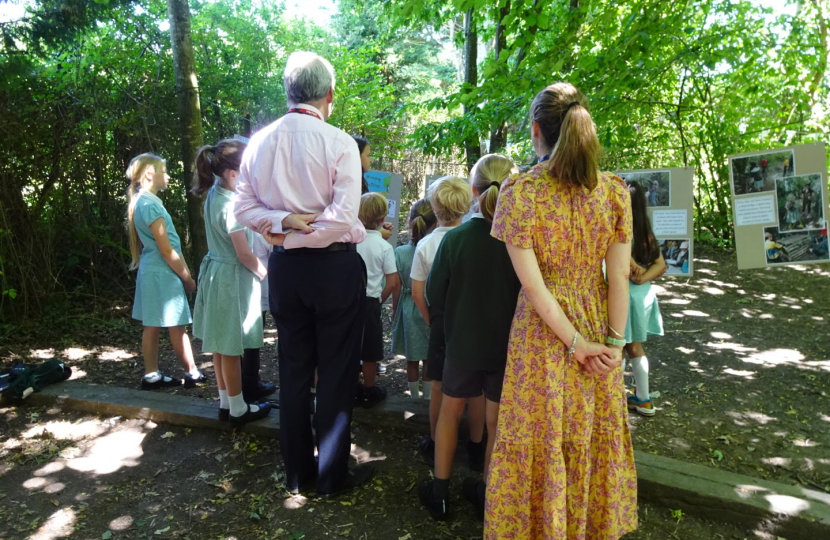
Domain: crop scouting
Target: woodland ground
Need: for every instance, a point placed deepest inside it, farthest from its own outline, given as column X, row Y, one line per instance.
column 743, row 375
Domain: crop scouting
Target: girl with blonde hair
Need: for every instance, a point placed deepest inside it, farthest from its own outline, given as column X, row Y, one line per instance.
column 163, row 279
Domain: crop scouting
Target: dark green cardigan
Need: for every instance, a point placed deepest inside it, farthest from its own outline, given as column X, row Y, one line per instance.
column 473, row 283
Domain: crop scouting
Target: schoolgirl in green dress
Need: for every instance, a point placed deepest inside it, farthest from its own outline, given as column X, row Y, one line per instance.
column 410, row 333
column 163, row 279
column 228, row 318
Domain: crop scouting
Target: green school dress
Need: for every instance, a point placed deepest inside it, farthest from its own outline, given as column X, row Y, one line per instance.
column 227, row 314
column 160, row 299
column 644, row 317
column 410, row 333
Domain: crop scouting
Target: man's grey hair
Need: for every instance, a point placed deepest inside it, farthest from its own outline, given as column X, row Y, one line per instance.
column 308, row 77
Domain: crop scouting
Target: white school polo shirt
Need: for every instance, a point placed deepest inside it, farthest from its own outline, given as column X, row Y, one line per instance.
column 379, row 258
column 425, row 253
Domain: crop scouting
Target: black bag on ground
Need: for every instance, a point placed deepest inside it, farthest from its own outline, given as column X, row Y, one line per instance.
column 23, row 379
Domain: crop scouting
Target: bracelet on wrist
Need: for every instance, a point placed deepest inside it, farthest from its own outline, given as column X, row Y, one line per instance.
column 614, row 341
column 617, row 334
column 572, row 349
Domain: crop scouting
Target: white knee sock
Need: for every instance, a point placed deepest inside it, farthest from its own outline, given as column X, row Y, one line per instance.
column 223, row 399
column 414, row 390
column 639, row 366
column 238, row 406
column 427, row 390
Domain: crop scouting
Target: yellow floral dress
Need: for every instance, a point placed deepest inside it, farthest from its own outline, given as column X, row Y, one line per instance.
column 563, row 464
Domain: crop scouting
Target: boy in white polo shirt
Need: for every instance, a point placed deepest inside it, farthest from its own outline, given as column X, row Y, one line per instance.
column 379, row 258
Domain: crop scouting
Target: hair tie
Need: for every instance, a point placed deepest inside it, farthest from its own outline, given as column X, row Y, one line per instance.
column 572, row 104
column 494, row 184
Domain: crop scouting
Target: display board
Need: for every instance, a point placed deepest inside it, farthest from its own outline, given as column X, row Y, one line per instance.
column 389, row 185
column 779, row 206
column 671, row 202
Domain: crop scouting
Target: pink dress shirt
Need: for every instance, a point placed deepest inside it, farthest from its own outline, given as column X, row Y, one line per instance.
column 302, row 165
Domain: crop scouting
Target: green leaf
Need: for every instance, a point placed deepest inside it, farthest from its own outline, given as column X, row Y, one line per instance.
column 718, row 455
column 106, row 536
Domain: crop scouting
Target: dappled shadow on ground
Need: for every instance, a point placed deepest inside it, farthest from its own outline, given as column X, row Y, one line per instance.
column 743, row 372
column 72, row 476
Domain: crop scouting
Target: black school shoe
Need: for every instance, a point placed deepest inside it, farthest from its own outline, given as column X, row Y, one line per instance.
column 372, row 395
column 475, row 491
column 250, row 416
column 475, row 453
column 190, row 381
column 356, row 477
column 163, row 382
column 438, row 508
column 381, row 369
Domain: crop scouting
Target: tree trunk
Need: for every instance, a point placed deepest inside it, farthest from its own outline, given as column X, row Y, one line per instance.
column 498, row 135
column 472, row 144
column 190, row 118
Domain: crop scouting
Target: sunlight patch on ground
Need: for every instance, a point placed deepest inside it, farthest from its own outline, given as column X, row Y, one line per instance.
column 737, row 347
column 706, row 271
column 720, row 335
column 777, row 461
column 115, row 355
column 684, row 350
column 75, row 353
column 694, row 313
column 804, row 443
column 269, row 340
column 824, row 417
column 42, row 354
column 738, row 373
column 64, row 430
column 111, row 452
column 677, row 301
column 758, row 417
column 775, row 357
column 77, row 373
column 784, row 504
column 59, row 525
column 364, row 456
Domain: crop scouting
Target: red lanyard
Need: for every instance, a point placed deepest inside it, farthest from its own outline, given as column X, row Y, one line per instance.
column 307, row 112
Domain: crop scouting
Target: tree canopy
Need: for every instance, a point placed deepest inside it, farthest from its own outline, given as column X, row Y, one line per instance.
column 87, row 85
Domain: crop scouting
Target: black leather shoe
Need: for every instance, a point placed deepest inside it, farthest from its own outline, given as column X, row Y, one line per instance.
column 190, row 381
column 372, row 395
column 438, row 508
column 250, row 416
column 224, row 414
column 163, row 382
column 356, row 477
column 258, row 391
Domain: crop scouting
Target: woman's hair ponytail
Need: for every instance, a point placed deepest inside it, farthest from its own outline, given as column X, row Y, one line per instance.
column 421, row 220
column 569, row 131
column 487, row 176
column 135, row 173
column 213, row 161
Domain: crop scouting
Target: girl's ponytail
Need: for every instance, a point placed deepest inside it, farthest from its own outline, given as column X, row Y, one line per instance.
column 487, row 176
column 135, row 173
column 202, row 173
column 213, row 161
column 568, row 129
column 421, row 220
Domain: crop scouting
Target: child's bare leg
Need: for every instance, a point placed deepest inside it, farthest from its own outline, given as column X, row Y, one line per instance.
column 181, row 346
column 434, row 407
column 446, row 435
column 427, row 382
column 217, row 368
column 150, row 348
column 232, row 374
column 492, row 413
column 475, row 415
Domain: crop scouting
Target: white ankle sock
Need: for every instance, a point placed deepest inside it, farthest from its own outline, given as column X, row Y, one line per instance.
column 152, row 377
column 238, row 406
column 427, row 390
column 414, row 390
column 195, row 373
column 223, row 399
column 639, row 366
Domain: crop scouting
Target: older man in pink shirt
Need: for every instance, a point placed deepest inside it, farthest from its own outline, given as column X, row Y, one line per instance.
column 299, row 185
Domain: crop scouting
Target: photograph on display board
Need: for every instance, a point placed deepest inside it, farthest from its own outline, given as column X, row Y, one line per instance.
column 758, row 173
column 805, row 246
column 676, row 253
column 656, row 183
column 800, row 205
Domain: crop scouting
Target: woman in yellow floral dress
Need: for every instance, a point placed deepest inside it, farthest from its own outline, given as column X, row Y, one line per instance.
column 563, row 464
